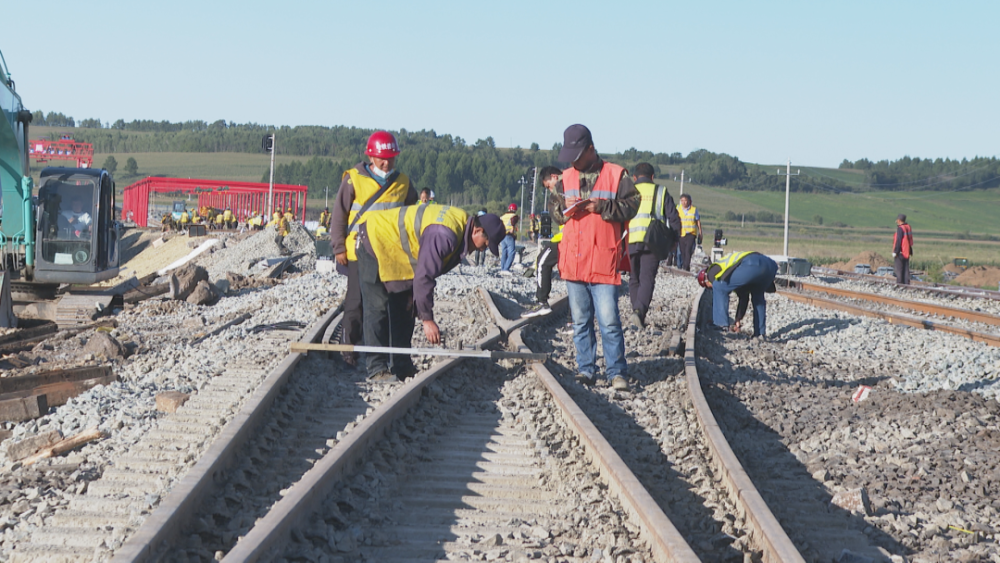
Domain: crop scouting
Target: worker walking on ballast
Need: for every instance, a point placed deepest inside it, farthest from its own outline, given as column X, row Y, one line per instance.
column 401, row 252
column 750, row 275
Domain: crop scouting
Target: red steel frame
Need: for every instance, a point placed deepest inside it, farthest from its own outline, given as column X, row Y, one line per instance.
column 43, row 150
column 241, row 197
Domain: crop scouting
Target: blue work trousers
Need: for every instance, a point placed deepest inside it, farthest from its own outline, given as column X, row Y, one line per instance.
column 585, row 301
column 754, row 274
column 507, row 251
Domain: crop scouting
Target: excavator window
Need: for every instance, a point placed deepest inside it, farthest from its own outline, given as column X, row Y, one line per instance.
column 66, row 221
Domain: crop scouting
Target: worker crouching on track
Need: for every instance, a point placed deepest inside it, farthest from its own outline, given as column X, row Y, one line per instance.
column 750, row 275
column 401, row 252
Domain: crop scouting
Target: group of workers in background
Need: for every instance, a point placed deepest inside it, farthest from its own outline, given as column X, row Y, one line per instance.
column 226, row 219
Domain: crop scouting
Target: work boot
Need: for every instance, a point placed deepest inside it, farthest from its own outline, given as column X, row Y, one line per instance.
column 619, row 383
column 384, row 376
column 350, row 358
column 636, row 320
column 585, row 378
column 536, row 310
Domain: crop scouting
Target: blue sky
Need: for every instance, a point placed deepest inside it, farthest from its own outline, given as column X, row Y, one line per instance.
column 816, row 82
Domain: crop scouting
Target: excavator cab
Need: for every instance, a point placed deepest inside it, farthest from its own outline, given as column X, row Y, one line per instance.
column 77, row 235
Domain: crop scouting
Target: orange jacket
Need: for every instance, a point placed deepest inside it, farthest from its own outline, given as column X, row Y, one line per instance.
column 591, row 247
column 904, row 247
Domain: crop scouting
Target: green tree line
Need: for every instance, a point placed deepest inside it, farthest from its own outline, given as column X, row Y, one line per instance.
column 907, row 174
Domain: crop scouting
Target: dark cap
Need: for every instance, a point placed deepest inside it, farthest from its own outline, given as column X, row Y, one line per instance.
column 495, row 231
column 576, row 139
column 901, row 217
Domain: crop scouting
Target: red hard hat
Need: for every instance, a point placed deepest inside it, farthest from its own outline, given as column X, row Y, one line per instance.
column 512, row 207
column 703, row 278
column 382, row 145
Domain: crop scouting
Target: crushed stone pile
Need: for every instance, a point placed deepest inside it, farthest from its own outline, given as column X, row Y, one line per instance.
column 243, row 257
column 152, row 259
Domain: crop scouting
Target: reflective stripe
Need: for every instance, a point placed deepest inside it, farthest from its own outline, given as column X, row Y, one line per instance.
column 727, row 263
column 404, row 238
column 377, row 206
column 688, row 223
column 602, row 194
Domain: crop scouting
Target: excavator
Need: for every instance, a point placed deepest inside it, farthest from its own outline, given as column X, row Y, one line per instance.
column 67, row 234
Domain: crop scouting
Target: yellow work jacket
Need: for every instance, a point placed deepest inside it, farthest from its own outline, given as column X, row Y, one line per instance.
column 184, row 218
column 396, row 250
column 364, row 188
column 558, row 236
column 727, row 263
column 688, row 224
column 324, row 217
column 650, row 208
column 508, row 222
column 227, row 216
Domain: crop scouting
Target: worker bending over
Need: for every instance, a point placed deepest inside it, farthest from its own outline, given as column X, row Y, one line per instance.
column 401, row 252
column 750, row 275
column 368, row 187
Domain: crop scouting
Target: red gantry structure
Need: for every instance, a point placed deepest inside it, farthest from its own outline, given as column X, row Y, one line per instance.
column 43, row 150
column 243, row 198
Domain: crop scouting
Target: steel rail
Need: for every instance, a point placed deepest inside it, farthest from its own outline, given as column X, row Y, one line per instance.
column 894, row 318
column 929, row 287
column 186, row 496
column 929, row 308
column 666, row 543
column 305, row 496
column 766, row 530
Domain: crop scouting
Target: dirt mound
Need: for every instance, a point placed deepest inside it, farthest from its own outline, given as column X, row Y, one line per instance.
column 980, row 276
column 873, row 259
column 953, row 269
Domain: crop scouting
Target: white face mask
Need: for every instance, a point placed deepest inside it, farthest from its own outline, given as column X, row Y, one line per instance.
column 378, row 172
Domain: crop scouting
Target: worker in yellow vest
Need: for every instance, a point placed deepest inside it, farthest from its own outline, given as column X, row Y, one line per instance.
column 275, row 218
column 185, row 218
column 324, row 219
column 284, row 225
column 652, row 234
column 508, row 249
column 690, row 231
column 401, row 252
column 228, row 218
column 750, row 275
column 289, row 215
column 368, row 187
column 219, row 223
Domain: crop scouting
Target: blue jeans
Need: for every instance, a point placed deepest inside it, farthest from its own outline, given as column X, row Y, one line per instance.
column 753, row 275
column 507, row 252
column 586, row 299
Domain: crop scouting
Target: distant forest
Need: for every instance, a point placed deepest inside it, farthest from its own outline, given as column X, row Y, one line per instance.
column 479, row 172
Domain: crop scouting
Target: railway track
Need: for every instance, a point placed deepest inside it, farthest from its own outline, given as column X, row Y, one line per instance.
column 477, row 464
column 915, row 286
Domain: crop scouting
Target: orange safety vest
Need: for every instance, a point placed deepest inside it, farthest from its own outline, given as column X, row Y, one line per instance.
column 907, row 246
column 592, row 247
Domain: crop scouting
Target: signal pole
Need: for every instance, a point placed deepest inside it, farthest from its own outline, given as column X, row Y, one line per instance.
column 682, row 182
column 520, row 222
column 788, row 184
column 269, row 146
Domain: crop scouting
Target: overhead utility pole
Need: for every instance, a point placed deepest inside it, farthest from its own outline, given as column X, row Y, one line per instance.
column 788, row 185
column 520, row 221
column 682, row 182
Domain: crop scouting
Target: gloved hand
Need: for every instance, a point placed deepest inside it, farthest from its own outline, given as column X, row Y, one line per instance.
column 699, row 239
column 893, row 254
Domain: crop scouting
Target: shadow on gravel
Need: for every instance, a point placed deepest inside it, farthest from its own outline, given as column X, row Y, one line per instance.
column 819, row 529
column 810, row 327
column 683, row 505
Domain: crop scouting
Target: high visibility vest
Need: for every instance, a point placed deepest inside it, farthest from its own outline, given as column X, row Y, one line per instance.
column 395, row 235
column 508, row 222
column 364, row 188
column 288, row 216
column 184, row 217
column 219, row 219
column 689, row 226
column 727, row 263
column 558, row 236
column 591, row 247
column 227, row 215
column 651, row 208
column 907, row 246
column 323, row 218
